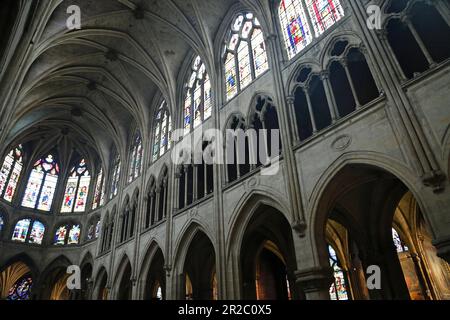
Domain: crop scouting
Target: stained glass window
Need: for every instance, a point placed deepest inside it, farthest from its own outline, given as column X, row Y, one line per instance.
column 10, row 173
column 67, row 234
column 399, row 245
column 21, row 230
column 97, row 229
column 94, row 230
column 197, row 102
column 162, row 132
column 245, row 55
column 27, row 230
column 338, row 290
column 60, row 235
column 115, row 177
column 324, row 13
column 295, row 27
column 74, row 235
column 77, row 189
column 136, row 158
column 42, row 184
column 21, row 290
column 37, row 233
column 99, row 194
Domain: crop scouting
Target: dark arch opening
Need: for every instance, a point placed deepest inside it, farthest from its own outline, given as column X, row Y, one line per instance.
column 341, row 89
column 199, row 268
column 267, row 257
column 156, row 278
column 433, row 30
column 373, row 198
column 365, row 86
column 125, row 286
column 302, row 115
column 408, row 53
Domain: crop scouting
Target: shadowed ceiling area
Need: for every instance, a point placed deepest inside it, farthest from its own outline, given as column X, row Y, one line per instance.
column 98, row 83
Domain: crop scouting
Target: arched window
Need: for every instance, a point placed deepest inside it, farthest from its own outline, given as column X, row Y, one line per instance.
column 77, row 189
column 107, row 232
column 338, row 290
column 42, row 184
column 136, row 158
column 197, row 102
column 324, row 13
column 115, row 176
column 10, row 173
column 399, row 245
column 415, row 34
column 128, row 218
column 245, row 56
column 94, row 229
column 99, row 194
column 29, row 231
column 295, row 27
column 162, row 133
column 151, row 204
column 67, row 234
column 21, row 290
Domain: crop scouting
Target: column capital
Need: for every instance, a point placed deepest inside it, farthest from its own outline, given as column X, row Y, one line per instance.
column 290, row 99
column 314, row 279
column 271, row 37
column 382, row 34
column 325, row 75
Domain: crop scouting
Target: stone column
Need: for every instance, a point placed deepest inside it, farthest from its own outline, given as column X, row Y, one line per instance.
column 419, row 41
column 315, row 282
column 325, row 76
column 310, row 109
column 344, row 63
column 290, row 100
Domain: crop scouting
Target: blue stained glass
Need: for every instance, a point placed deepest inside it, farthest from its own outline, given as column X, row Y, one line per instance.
column 231, row 80
column 21, row 289
column 296, row 32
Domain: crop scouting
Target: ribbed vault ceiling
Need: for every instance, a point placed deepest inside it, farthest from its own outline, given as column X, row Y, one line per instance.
column 102, row 81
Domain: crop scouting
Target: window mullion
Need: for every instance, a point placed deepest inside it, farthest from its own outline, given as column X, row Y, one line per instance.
column 40, row 190
column 250, row 55
column 8, row 178
column 236, row 68
column 75, row 195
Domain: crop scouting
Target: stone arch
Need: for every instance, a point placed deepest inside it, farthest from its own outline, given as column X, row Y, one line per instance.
column 100, row 290
column 86, row 266
column 187, row 233
column 152, row 272
column 351, row 37
column 189, row 268
column 353, row 181
column 52, row 282
column 14, row 270
column 250, row 220
column 292, row 83
column 123, row 282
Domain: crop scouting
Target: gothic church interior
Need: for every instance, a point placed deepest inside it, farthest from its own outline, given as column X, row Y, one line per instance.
column 357, row 91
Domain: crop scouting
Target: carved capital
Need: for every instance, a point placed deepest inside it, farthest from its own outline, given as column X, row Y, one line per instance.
column 434, row 180
column 324, row 75
column 290, row 99
column 300, row 227
column 314, row 279
column 168, row 270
